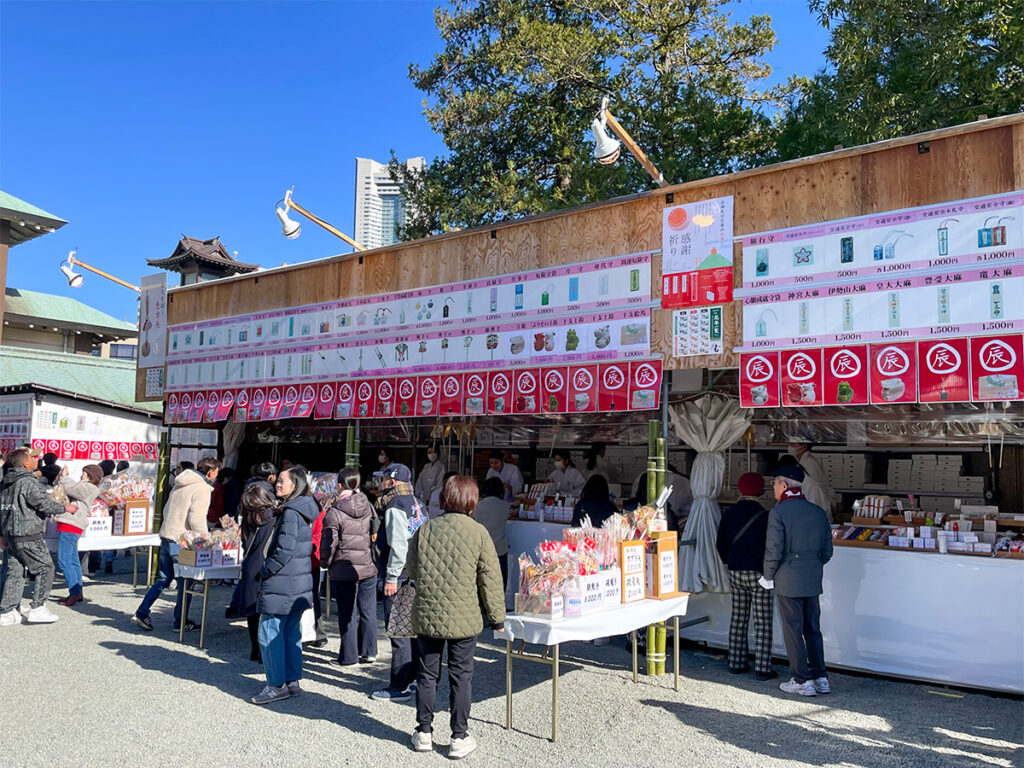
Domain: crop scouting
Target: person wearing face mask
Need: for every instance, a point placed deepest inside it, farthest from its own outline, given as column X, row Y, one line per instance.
column 384, row 457
column 565, row 478
column 431, row 475
column 509, row 474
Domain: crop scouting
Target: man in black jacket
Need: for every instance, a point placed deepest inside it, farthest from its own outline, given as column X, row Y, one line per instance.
column 24, row 507
column 740, row 543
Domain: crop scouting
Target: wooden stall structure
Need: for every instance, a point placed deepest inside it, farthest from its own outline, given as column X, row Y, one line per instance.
column 981, row 158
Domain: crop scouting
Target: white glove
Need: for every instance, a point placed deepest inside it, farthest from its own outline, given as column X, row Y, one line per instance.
column 765, row 582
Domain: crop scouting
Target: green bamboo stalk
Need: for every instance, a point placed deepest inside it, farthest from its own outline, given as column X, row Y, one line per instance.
column 661, row 635
column 651, row 651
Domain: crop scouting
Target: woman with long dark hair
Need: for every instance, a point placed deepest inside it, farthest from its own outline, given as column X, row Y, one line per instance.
column 595, row 501
column 286, row 586
column 257, row 507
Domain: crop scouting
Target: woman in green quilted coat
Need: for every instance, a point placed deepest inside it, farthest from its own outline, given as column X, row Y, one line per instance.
column 458, row 586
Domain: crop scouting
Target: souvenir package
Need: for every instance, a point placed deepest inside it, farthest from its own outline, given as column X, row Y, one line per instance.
column 125, row 486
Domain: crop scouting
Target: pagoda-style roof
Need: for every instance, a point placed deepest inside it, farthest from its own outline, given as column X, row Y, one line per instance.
column 210, row 253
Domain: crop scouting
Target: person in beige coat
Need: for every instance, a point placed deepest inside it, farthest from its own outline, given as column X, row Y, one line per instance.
column 185, row 510
column 82, row 493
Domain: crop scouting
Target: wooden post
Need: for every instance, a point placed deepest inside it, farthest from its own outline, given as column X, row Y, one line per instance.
column 638, row 153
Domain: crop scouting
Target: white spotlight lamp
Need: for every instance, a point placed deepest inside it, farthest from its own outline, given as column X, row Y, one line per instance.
column 74, row 279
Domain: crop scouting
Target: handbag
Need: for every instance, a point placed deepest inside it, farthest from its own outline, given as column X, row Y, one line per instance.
column 307, row 623
column 400, row 621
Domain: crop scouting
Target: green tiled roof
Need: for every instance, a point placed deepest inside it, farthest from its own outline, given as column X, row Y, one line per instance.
column 13, row 204
column 60, row 309
column 27, row 221
column 97, row 378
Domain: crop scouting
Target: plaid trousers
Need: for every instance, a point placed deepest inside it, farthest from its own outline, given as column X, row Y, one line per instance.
column 746, row 592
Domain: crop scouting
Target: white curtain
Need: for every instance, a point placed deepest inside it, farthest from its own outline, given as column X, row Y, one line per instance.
column 709, row 425
column 234, row 434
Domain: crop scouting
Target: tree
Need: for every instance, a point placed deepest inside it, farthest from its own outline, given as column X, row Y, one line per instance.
column 898, row 67
column 517, row 83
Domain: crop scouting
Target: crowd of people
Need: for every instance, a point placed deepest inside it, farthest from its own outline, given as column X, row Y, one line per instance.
column 434, row 552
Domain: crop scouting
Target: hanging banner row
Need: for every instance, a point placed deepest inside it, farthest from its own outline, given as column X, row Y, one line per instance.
column 96, row 450
column 975, row 369
column 598, row 337
column 458, row 308
column 626, row 386
column 918, row 273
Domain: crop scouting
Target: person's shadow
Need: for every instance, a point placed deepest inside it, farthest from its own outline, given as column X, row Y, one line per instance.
column 806, row 740
column 211, row 672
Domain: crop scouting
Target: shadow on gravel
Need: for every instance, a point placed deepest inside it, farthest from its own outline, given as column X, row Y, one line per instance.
column 806, row 741
column 225, row 677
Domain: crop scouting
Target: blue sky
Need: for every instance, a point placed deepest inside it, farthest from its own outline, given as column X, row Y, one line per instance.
column 139, row 121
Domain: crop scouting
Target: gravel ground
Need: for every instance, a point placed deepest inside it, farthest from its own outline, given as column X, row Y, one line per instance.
column 95, row 690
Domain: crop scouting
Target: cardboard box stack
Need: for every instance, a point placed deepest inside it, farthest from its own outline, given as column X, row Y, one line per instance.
column 844, row 470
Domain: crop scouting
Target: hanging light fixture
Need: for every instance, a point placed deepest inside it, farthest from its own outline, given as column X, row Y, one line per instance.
column 289, row 228
column 606, row 148
column 74, row 279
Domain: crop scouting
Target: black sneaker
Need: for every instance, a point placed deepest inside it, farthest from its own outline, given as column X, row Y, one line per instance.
column 190, row 626
column 738, row 670
column 763, row 676
column 144, row 622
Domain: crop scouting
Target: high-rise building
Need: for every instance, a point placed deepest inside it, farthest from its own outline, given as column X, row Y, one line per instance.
column 379, row 206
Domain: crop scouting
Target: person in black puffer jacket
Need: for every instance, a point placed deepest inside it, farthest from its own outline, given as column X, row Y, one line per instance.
column 258, row 509
column 346, row 550
column 741, row 544
column 286, row 586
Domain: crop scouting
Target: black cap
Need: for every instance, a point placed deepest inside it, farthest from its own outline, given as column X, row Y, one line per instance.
column 792, row 472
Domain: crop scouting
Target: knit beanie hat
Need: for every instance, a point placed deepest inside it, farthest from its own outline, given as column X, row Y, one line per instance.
column 751, row 484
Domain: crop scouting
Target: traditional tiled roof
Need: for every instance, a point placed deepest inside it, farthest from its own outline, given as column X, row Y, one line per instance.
column 63, row 311
column 26, row 220
column 210, row 251
column 97, row 379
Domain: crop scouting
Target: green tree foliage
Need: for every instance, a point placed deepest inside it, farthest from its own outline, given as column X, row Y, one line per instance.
column 517, row 83
column 898, row 67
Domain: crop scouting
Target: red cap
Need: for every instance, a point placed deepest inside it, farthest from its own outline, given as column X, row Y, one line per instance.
column 751, row 484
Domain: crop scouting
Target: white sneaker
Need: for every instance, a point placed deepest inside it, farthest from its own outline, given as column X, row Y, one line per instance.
column 422, row 742
column 11, row 618
column 821, row 685
column 41, row 615
column 462, row 747
column 804, row 689
column 270, row 694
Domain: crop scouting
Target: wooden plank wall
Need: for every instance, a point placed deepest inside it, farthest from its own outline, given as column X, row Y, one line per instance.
column 966, row 161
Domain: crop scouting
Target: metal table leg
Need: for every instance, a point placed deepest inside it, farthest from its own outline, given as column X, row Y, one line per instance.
column 508, row 685
column 633, row 634
column 135, row 567
column 202, row 627
column 554, row 694
column 675, row 649
column 184, row 611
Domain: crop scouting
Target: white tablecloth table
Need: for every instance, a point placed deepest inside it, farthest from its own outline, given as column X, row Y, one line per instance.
column 192, row 574
column 105, row 543
column 551, row 633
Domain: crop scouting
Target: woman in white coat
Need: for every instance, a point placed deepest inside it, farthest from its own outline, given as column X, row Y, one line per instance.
column 565, row 478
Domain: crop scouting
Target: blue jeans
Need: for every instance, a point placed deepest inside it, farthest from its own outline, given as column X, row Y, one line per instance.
column 281, row 645
column 164, row 575
column 67, row 559
column 357, row 618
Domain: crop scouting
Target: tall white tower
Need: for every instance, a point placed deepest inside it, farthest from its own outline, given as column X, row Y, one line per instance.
column 379, row 205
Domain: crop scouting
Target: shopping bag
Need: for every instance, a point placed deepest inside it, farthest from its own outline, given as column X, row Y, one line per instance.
column 400, row 623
